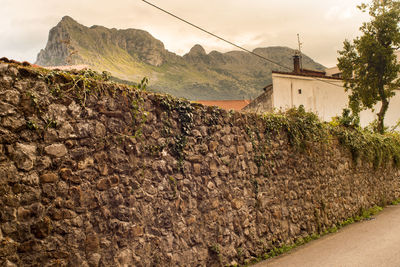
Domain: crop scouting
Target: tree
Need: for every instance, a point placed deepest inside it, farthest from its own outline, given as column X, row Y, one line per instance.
column 368, row 64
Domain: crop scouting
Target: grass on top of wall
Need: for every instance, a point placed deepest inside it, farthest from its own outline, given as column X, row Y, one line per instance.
column 304, row 129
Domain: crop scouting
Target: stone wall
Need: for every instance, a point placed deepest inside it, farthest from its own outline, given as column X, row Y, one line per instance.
column 108, row 176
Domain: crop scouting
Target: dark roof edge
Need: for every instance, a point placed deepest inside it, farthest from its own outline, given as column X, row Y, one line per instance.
column 315, row 71
column 307, row 75
column 267, row 87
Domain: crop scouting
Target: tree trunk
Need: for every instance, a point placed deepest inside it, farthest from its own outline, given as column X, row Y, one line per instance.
column 381, row 115
column 384, row 107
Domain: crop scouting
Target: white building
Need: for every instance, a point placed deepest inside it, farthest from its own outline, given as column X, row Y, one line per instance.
column 320, row 92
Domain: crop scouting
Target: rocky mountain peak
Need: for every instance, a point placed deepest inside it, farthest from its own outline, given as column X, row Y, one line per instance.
column 68, row 20
column 131, row 54
column 71, row 38
column 197, row 50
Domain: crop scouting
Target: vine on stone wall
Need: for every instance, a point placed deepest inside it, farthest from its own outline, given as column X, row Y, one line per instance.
column 304, row 128
column 371, row 147
column 184, row 110
column 81, row 83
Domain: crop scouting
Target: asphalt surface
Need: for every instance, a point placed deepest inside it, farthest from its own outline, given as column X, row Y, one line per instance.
column 372, row 243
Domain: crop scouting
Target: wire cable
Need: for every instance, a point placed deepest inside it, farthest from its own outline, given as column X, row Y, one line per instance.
column 216, row 36
column 229, row 42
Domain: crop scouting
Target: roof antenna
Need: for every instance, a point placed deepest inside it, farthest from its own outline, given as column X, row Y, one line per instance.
column 301, row 57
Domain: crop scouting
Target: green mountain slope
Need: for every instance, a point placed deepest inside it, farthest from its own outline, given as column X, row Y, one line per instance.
column 132, row 54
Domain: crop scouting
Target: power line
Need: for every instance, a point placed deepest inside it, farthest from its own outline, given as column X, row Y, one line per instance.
column 229, row 42
column 216, row 36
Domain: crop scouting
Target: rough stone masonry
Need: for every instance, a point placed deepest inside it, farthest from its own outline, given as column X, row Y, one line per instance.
column 118, row 177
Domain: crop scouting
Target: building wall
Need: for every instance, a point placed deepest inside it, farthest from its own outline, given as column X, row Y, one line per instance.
column 326, row 99
column 332, row 71
column 261, row 104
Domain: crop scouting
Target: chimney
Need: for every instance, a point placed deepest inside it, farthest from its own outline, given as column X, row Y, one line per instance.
column 296, row 64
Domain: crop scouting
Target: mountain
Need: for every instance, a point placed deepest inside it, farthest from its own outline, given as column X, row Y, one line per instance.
column 131, row 54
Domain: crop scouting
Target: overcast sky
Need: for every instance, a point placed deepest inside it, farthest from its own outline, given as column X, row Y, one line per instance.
column 322, row 25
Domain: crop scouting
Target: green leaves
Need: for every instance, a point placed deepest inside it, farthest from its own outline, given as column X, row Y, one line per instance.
column 143, row 84
column 368, row 64
column 304, row 129
column 301, row 127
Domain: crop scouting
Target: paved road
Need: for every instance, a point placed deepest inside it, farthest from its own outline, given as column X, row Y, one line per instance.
column 374, row 243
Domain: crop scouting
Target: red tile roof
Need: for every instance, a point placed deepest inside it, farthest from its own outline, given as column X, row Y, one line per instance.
column 68, row 67
column 225, row 104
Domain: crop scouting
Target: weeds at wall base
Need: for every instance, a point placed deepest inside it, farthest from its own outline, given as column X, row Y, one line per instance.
column 395, row 202
column 276, row 251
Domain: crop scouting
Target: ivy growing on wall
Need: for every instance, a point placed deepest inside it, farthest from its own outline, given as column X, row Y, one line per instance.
column 304, row 128
column 184, row 110
column 301, row 128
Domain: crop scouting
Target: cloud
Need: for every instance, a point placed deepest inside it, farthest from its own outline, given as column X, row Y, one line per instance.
column 257, row 23
column 340, row 13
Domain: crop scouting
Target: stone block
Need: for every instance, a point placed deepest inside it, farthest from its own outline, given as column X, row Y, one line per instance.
column 74, row 109
column 211, row 185
column 11, row 96
column 57, row 112
column 227, row 129
column 240, row 150
column 31, row 179
column 66, row 131
column 213, row 146
column 24, row 214
column 237, row 204
column 92, row 242
column 196, row 169
column 56, row 150
column 99, row 130
column 13, row 71
column 103, row 184
column 86, row 163
column 3, row 67
column 94, row 259
column 42, row 228
column 25, row 156
column 136, row 231
column 49, row 177
column 196, row 133
column 253, row 168
column 6, row 109
column 50, row 135
column 227, row 140
column 214, row 166
column 249, row 147
column 65, row 173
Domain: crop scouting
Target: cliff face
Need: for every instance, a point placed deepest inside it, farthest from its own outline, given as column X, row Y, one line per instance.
column 57, row 48
column 105, row 175
column 69, row 40
column 132, row 54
